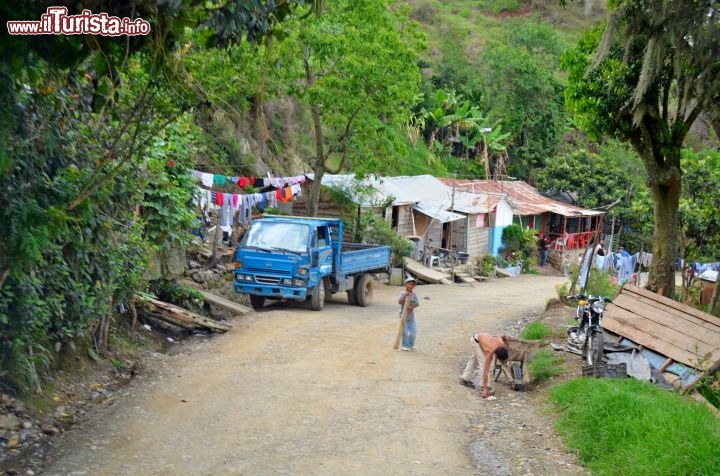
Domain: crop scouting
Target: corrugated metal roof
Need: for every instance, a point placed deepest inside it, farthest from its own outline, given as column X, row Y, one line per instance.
column 437, row 212
column 473, row 203
column 525, row 199
column 404, row 190
column 428, row 194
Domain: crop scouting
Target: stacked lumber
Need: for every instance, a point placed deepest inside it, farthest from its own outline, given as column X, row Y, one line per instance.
column 179, row 316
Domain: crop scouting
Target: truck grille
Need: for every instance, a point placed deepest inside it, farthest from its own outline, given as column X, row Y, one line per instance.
column 281, row 272
column 267, row 280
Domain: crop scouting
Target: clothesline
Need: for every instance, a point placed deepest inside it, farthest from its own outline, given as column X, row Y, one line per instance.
column 229, row 203
column 209, row 180
column 286, row 188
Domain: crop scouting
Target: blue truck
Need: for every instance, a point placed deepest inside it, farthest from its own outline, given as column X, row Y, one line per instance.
column 305, row 259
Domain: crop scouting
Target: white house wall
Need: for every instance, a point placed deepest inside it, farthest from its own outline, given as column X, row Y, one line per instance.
column 501, row 219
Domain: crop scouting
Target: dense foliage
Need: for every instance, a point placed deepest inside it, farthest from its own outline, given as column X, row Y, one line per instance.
column 645, row 78
column 96, row 148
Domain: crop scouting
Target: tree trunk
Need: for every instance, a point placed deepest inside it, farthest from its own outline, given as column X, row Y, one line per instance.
column 318, row 163
column 318, row 166
column 714, row 299
column 666, row 197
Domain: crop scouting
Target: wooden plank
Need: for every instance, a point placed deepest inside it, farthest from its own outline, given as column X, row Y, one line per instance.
column 403, row 320
column 708, row 324
column 665, row 365
column 638, row 298
column 671, row 303
column 183, row 315
column 662, row 317
column 423, row 273
column 169, row 318
column 664, row 333
column 638, row 336
column 219, row 301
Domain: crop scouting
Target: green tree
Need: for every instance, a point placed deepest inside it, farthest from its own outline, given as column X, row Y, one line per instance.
column 528, row 100
column 645, row 79
column 595, row 182
column 94, row 134
column 699, row 217
column 354, row 64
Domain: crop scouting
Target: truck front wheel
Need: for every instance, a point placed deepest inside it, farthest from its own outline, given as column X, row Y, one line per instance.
column 363, row 290
column 317, row 299
column 257, row 302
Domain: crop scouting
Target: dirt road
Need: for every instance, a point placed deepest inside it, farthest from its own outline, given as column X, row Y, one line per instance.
column 296, row 392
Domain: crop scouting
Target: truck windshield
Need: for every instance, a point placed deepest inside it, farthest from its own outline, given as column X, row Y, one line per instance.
column 292, row 237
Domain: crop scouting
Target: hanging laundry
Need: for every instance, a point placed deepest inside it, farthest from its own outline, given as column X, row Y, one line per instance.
column 220, row 180
column 226, row 216
column 207, row 179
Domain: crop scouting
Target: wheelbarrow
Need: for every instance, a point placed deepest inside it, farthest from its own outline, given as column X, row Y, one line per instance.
column 519, row 352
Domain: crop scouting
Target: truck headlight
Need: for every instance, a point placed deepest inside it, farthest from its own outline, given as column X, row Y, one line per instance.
column 287, row 281
column 298, row 282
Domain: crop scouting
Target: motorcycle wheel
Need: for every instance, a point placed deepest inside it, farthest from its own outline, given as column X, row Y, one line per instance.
column 594, row 347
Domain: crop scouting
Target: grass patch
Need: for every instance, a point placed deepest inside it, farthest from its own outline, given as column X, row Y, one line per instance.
column 536, row 331
column 624, row 426
column 544, row 365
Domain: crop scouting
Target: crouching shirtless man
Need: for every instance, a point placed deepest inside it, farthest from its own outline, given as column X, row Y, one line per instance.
column 485, row 346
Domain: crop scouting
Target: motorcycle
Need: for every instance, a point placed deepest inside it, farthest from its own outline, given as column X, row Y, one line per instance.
column 587, row 337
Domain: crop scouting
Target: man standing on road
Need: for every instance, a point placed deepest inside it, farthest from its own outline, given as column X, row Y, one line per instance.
column 485, row 346
column 408, row 336
column 543, row 247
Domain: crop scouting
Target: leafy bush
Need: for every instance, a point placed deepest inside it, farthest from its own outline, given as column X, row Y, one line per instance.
column 518, row 247
column 709, row 387
column 485, row 266
column 373, row 229
column 177, row 293
column 536, row 331
column 545, row 365
column 600, row 284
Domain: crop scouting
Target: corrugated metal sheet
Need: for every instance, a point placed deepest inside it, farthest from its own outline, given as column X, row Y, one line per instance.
column 472, row 203
column 525, row 199
column 404, row 190
column 437, row 212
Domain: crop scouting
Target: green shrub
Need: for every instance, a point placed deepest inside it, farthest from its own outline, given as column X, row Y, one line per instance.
column 544, row 365
column 599, row 284
column 709, row 387
column 518, row 247
column 485, row 266
column 536, row 331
